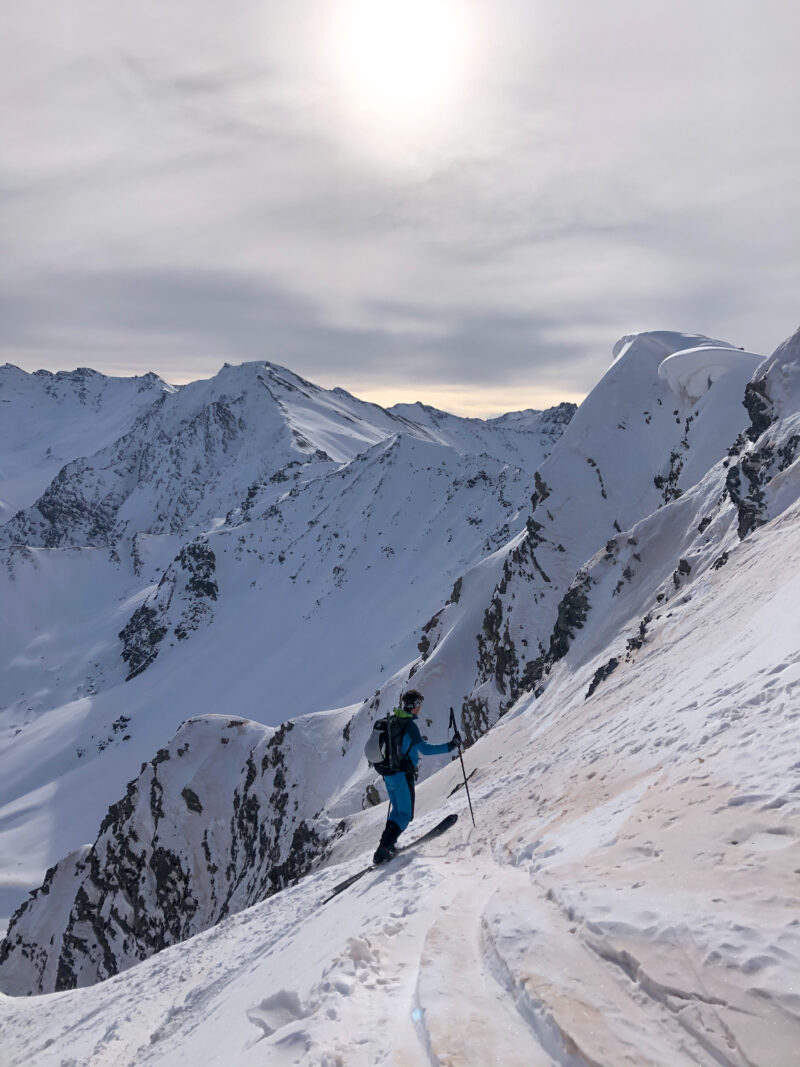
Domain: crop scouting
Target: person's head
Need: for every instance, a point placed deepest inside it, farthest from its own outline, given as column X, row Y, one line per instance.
column 411, row 701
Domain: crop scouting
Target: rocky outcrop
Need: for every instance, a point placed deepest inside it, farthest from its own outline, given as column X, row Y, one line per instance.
column 771, row 443
column 180, row 605
column 215, row 822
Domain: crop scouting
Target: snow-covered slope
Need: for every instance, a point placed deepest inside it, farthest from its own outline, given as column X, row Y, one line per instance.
column 627, row 897
column 47, row 420
column 196, row 454
column 514, row 436
column 203, row 563
column 634, row 446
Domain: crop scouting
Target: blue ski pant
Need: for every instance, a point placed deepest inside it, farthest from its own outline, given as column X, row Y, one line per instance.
column 400, row 788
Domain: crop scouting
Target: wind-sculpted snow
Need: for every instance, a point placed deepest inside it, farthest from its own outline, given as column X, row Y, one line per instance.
column 692, row 371
column 632, row 448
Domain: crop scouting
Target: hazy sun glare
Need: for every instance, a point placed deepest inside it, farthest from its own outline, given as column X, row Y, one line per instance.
column 401, row 64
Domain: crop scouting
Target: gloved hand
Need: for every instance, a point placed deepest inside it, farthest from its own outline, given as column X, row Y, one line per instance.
column 456, row 741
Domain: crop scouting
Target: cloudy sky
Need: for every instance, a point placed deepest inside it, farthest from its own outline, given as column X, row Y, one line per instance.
column 460, row 201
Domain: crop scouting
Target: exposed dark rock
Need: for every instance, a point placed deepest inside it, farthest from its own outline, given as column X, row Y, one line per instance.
column 140, row 638
column 185, row 589
column 424, row 644
column 759, row 408
column 601, row 674
column 192, row 800
column 633, row 644
column 681, row 571
column 157, row 874
column 745, row 483
column 475, row 720
column 573, row 610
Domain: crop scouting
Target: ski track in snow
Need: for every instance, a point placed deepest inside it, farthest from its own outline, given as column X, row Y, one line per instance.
column 492, row 945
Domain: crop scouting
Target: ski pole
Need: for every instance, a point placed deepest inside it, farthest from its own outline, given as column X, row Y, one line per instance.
column 463, row 771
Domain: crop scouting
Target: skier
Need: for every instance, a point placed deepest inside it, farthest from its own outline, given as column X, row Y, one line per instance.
column 400, row 786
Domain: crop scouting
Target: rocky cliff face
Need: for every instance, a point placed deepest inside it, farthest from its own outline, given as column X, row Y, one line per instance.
column 181, row 604
column 218, row 820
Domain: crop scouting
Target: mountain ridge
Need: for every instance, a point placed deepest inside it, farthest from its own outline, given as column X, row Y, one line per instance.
column 203, row 613
column 617, row 572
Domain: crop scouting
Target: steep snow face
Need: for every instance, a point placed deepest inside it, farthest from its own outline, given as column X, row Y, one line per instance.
column 241, row 613
column 515, row 437
column 632, row 448
column 50, row 419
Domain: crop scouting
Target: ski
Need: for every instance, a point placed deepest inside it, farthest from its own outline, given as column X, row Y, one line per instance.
column 439, row 828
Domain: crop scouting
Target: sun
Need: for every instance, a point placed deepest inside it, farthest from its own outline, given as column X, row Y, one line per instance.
column 401, row 63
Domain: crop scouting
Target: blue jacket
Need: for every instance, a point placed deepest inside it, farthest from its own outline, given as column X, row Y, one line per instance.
column 414, row 744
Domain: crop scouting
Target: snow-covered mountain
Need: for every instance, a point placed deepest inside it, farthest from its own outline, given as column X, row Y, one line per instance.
column 48, row 420
column 639, row 441
column 205, row 448
column 203, row 563
column 625, row 663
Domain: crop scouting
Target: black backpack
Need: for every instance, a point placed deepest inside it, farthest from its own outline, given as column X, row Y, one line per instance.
column 384, row 747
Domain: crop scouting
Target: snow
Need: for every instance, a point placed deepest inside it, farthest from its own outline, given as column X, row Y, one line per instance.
column 628, row 895
column 780, row 376
column 692, row 371
column 49, row 420
column 377, row 535
column 615, row 903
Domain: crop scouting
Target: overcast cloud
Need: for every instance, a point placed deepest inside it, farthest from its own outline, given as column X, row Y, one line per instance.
column 190, row 183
